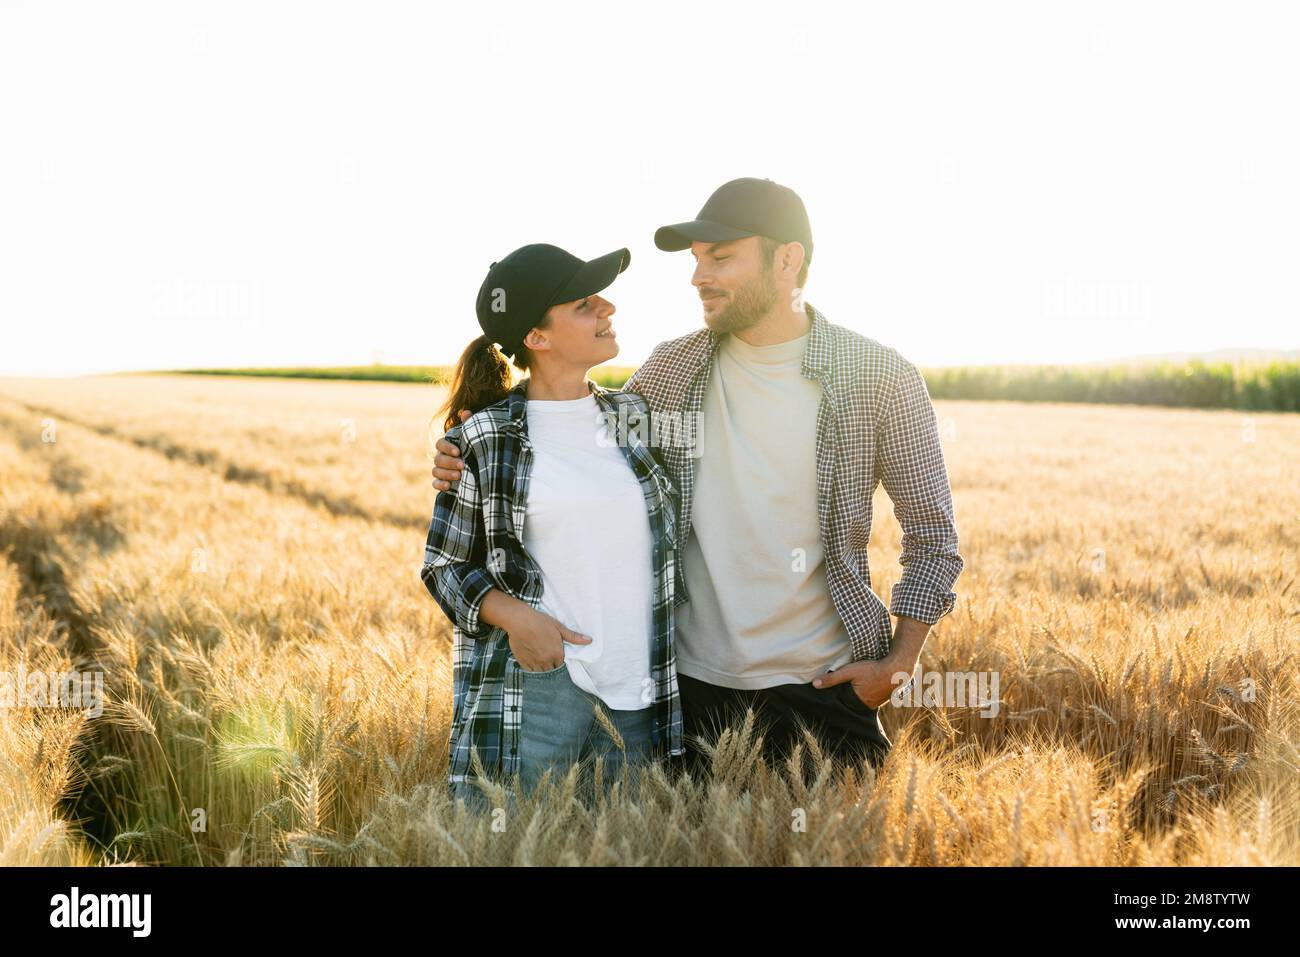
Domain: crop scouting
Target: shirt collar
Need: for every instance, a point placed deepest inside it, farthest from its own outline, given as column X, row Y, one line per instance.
column 817, row 357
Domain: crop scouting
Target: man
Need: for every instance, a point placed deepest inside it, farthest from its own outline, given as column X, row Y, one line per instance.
column 792, row 422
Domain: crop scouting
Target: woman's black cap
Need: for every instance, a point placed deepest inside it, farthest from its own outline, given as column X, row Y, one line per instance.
column 520, row 288
column 740, row 208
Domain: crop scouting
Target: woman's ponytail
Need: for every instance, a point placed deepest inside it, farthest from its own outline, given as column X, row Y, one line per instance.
column 482, row 377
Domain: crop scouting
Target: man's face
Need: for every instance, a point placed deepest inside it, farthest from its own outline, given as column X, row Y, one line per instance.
column 735, row 282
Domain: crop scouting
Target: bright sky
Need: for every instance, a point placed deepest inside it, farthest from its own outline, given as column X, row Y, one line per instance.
column 187, row 185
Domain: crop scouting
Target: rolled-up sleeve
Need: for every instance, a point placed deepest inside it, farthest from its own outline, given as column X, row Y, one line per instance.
column 455, row 552
column 910, row 465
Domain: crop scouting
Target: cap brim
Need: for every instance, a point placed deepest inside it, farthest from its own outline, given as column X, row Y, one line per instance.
column 593, row 276
column 681, row 235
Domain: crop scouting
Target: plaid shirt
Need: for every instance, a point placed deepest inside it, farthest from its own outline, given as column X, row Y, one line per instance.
column 475, row 544
column 875, row 424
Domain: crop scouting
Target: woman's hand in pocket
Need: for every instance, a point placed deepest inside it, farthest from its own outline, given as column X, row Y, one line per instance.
column 537, row 639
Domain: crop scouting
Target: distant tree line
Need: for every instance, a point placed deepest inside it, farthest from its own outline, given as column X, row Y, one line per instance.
column 1263, row 386
column 1194, row 384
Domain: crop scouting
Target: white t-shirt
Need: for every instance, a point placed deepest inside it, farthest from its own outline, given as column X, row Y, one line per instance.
column 586, row 527
column 761, row 612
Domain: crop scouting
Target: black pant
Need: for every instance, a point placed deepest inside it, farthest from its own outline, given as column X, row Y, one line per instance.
column 847, row 729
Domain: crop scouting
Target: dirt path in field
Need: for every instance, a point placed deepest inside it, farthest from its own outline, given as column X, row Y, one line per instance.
column 232, row 471
column 44, row 538
column 35, row 542
column 32, row 543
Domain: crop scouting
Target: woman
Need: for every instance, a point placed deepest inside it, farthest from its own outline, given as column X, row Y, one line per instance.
column 554, row 555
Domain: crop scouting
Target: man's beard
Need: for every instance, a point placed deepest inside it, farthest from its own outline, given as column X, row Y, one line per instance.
column 750, row 304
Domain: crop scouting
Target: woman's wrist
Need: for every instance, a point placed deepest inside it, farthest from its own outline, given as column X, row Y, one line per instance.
column 500, row 609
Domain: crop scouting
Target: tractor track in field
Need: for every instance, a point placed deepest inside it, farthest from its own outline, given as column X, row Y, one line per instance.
column 43, row 581
column 232, row 471
column 36, row 546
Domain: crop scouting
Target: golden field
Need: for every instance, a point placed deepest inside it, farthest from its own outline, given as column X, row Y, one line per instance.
column 240, row 558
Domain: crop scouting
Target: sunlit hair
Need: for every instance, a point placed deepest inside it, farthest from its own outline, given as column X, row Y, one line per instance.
column 482, row 377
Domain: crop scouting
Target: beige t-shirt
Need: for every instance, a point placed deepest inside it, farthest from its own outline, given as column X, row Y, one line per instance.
column 760, row 612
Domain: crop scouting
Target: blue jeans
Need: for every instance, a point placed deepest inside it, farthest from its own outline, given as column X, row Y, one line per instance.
column 559, row 728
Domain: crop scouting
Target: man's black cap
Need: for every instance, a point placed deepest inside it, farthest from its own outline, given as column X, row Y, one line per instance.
column 520, row 288
column 744, row 207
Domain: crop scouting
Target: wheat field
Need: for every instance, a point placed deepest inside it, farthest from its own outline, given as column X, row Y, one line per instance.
column 240, row 559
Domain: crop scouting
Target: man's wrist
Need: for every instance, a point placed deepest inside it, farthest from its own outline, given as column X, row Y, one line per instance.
column 909, row 639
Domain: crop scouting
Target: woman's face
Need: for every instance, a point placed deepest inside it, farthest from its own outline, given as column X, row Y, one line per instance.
column 580, row 332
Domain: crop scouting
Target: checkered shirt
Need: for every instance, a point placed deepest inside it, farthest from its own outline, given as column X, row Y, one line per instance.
column 475, row 544
column 875, row 424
